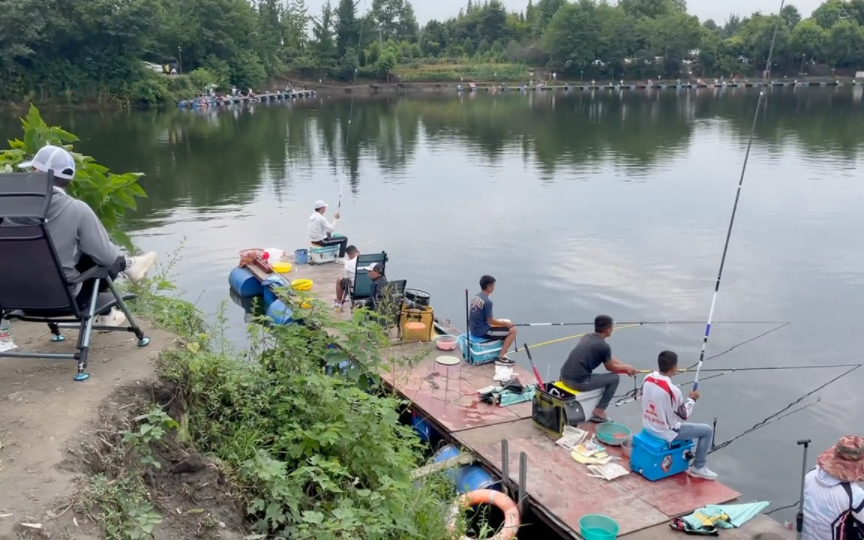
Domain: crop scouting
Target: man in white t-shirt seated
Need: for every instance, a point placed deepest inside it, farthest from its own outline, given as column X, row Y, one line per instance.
column 345, row 282
column 664, row 408
column 321, row 230
column 832, row 498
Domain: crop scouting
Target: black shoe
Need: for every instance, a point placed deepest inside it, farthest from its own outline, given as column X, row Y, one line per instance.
column 504, row 361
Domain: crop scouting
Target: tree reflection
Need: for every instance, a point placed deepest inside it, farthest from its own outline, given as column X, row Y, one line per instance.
column 225, row 157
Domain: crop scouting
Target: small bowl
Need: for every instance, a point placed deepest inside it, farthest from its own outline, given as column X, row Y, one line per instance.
column 446, row 342
column 613, row 433
column 627, row 447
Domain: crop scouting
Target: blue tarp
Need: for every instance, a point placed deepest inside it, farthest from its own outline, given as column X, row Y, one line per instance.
column 738, row 514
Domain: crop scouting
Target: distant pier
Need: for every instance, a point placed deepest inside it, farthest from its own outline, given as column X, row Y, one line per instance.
column 210, row 101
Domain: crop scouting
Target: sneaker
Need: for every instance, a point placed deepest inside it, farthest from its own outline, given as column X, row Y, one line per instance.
column 505, row 361
column 704, row 473
column 337, row 306
column 140, row 266
column 114, row 318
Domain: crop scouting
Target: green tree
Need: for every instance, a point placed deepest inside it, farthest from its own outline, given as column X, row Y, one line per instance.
column 809, row 40
column 324, row 46
column 347, row 29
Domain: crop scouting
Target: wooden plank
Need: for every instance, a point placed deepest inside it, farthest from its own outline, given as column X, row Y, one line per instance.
column 462, row 459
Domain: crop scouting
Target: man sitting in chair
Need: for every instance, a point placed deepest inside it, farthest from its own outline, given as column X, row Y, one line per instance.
column 664, row 409
column 321, row 230
column 79, row 238
column 345, row 282
column 379, row 286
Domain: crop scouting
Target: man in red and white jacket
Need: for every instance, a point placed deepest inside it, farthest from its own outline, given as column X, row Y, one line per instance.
column 664, row 408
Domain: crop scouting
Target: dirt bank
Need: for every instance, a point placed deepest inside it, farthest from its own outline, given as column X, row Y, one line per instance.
column 55, row 433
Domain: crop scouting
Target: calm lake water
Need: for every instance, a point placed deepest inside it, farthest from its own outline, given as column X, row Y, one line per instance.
column 578, row 204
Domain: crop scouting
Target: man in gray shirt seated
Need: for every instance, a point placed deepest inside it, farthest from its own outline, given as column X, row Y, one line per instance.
column 79, row 238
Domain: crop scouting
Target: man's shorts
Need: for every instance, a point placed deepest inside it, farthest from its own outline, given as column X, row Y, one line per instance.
column 496, row 334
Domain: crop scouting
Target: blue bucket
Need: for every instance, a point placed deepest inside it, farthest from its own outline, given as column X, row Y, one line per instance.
column 301, row 256
column 598, row 527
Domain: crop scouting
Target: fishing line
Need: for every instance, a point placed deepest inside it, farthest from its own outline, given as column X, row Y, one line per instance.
column 775, row 416
column 351, row 107
column 634, row 394
column 737, row 198
column 647, row 322
column 558, row 340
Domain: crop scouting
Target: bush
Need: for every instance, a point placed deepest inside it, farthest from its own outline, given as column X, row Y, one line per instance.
column 316, row 455
column 466, row 72
column 201, row 77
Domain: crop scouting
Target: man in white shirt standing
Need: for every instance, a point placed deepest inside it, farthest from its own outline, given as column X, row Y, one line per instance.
column 321, row 230
column 833, row 501
column 664, row 408
column 345, row 283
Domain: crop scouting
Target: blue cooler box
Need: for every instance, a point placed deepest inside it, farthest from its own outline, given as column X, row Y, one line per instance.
column 656, row 459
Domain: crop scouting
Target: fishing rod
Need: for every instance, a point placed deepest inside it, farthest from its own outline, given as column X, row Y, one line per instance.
column 735, row 205
column 640, row 323
column 351, row 107
column 558, row 340
column 777, row 416
column 635, row 394
column 762, row 368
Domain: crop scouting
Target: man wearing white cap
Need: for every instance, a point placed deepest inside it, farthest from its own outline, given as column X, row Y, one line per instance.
column 320, row 230
column 79, row 238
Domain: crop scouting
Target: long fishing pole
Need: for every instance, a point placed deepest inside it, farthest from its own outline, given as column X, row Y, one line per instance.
column 761, row 368
column 735, row 206
column 558, row 340
column 351, row 107
column 640, row 323
column 777, row 416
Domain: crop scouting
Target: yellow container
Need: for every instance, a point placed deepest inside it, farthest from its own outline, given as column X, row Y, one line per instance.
column 425, row 316
column 281, row 267
column 301, row 284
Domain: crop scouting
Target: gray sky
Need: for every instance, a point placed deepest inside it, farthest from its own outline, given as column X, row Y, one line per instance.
column 704, row 9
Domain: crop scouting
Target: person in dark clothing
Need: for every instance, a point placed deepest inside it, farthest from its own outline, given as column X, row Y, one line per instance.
column 592, row 351
column 482, row 325
column 379, row 286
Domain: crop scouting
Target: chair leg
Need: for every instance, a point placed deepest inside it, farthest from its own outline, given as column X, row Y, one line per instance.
column 84, row 336
column 56, row 336
column 143, row 340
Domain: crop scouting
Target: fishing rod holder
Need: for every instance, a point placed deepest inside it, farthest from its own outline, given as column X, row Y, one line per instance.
column 799, row 517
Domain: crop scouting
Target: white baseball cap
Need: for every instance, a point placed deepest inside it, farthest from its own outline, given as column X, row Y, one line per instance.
column 320, row 204
column 52, row 158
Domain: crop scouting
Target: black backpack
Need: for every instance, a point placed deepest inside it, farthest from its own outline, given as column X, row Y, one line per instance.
column 847, row 527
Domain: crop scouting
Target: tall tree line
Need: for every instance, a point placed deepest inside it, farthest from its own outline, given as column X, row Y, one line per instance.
column 98, row 48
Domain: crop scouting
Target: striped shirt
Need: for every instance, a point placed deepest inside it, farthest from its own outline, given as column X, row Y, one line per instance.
column 663, row 407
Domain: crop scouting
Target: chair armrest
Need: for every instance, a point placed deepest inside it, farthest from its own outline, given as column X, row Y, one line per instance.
column 97, row 272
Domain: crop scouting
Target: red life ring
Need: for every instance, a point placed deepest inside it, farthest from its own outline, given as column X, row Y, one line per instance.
column 512, row 519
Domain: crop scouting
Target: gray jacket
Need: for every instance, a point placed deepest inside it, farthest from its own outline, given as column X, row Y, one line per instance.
column 75, row 230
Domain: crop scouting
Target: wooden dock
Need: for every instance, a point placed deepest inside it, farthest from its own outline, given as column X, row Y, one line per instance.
column 559, row 491
column 645, row 86
column 233, row 100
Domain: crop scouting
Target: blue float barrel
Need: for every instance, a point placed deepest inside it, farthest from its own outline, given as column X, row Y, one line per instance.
column 279, row 313
column 469, row 477
column 244, row 283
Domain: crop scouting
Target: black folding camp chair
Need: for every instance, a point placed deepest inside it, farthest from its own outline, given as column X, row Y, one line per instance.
column 362, row 282
column 33, row 285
